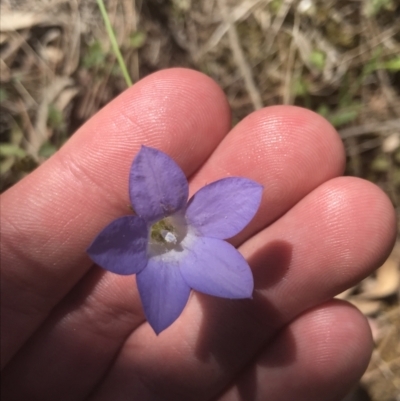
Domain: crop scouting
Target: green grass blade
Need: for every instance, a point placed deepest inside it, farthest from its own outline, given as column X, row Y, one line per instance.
column 114, row 43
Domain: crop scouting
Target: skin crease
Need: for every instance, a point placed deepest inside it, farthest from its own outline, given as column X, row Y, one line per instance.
column 71, row 331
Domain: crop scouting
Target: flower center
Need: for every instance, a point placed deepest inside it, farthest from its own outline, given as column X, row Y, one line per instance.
column 163, row 232
column 167, row 234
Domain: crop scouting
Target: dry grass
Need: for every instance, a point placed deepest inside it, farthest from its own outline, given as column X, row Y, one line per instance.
column 339, row 58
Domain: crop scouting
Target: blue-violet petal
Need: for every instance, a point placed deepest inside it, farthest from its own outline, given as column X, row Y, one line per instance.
column 121, row 247
column 223, row 208
column 163, row 291
column 157, row 185
column 216, row 268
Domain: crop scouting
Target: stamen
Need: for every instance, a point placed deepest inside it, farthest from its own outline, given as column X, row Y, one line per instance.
column 169, row 237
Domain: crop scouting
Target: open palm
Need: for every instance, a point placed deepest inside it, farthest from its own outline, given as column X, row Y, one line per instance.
column 71, row 331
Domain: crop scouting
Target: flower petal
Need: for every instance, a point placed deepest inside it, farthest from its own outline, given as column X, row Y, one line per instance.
column 223, row 208
column 163, row 291
column 216, row 268
column 157, row 185
column 121, row 247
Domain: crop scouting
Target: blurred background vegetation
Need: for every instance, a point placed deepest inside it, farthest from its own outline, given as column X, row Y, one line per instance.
column 340, row 58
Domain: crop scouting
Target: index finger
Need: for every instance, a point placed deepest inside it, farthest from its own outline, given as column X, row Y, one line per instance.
column 49, row 218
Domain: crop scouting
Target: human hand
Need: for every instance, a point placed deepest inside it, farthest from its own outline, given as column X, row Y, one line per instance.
column 71, row 331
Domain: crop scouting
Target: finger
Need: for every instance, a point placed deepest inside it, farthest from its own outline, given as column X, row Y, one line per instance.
column 288, row 142
column 331, row 239
column 288, row 150
column 49, row 218
column 319, row 356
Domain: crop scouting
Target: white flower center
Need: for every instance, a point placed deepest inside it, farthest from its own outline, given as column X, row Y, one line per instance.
column 169, row 237
column 167, row 234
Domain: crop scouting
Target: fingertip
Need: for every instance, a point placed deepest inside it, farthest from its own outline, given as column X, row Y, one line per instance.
column 287, row 149
column 338, row 339
column 363, row 212
column 180, row 111
column 313, row 134
column 178, row 97
column 334, row 344
column 320, row 355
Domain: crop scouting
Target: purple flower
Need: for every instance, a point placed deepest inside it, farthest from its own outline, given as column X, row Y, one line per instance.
column 173, row 245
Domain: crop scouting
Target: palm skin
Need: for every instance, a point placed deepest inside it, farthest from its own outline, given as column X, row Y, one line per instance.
column 71, row 331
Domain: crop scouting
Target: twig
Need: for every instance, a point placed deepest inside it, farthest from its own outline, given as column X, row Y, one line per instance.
column 277, row 23
column 238, row 13
column 370, row 128
column 73, row 39
column 287, row 88
column 240, row 59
